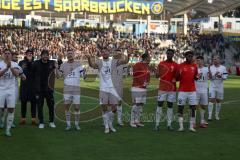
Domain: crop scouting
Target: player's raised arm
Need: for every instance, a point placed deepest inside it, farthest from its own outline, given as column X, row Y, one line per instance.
column 124, row 60
column 91, row 61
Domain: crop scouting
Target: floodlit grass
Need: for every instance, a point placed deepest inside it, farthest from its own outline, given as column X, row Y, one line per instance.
column 220, row 141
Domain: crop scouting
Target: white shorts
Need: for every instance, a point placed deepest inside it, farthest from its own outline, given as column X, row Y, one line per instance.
column 183, row 97
column 109, row 96
column 7, row 98
column 215, row 94
column 202, row 98
column 139, row 95
column 71, row 99
column 166, row 96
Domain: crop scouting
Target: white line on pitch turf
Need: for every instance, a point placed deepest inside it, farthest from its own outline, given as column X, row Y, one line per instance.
column 227, row 102
column 232, row 101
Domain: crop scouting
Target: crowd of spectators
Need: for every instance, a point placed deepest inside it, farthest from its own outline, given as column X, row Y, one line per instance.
column 83, row 40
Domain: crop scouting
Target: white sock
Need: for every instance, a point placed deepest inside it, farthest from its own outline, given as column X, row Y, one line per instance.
column 202, row 114
column 68, row 118
column 76, row 118
column 105, row 119
column 180, row 120
column 133, row 113
column 119, row 113
column 210, row 110
column 169, row 116
column 192, row 122
column 218, row 108
column 137, row 119
column 158, row 115
column 110, row 119
column 10, row 118
column 138, row 114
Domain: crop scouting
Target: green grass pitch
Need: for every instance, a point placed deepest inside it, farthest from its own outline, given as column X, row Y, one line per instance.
column 218, row 142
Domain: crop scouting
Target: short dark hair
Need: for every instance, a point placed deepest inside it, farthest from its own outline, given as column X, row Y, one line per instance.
column 7, row 50
column 200, row 57
column 170, row 50
column 105, row 48
column 102, row 48
column 44, row 52
column 188, row 52
column 145, row 56
column 29, row 51
column 70, row 50
column 118, row 50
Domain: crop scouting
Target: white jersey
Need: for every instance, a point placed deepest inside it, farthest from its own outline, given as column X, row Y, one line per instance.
column 71, row 73
column 8, row 80
column 202, row 82
column 105, row 75
column 108, row 75
column 217, row 82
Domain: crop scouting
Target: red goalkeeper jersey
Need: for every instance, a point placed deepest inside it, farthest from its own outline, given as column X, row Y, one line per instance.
column 141, row 75
column 187, row 73
column 167, row 73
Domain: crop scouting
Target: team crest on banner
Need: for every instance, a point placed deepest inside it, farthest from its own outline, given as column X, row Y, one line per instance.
column 157, row 8
column 92, row 6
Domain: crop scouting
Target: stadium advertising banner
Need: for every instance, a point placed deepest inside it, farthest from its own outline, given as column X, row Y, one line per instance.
column 93, row 6
column 234, row 38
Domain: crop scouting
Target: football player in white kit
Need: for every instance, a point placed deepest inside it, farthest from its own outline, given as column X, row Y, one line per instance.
column 3, row 112
column 108, row 95
column 8, row 73
column 202, row 89
column 218, row 73
column 119, row 86
column 71, row 71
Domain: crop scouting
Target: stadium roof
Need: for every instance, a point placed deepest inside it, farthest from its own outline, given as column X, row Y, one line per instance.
column 217, row 7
